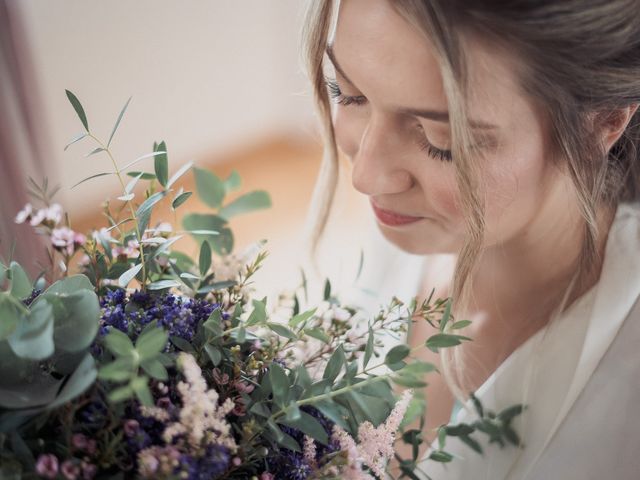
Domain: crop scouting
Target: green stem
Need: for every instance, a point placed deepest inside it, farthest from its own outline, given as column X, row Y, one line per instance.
column 131, row 209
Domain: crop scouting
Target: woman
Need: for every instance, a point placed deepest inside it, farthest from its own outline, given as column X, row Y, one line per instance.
column 503, row 135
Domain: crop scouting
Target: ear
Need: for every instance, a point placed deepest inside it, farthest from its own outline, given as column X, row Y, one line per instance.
column 613, row 124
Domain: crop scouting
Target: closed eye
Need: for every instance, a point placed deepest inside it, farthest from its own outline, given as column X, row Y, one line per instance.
column 336, row 95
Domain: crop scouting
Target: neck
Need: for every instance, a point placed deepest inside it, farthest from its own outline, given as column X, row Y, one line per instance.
column 517, row 285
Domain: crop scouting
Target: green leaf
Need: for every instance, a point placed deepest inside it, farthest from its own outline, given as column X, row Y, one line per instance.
column 162, row 164
column 397, row 354
column 151, row 343
column 318, row 334
column 115, row 127
column 33, row 337
column 146, row 155
column 460, row 324
column 459, row 430
column 119, row 343
column 20, row 284
column 309, row 425
column 445, row 316
column 246, row 203
column 180, row 199
column 163, row 284
column 292, row 412
column 120, row 394
column 77, row 138
column 334, row 365
column 205, row 258
column 92, row 177
column 327, row 290
column 131, row 185
column 302, row 317
column 232, row 182
column 119, row 370
column 279, row 384
column 129, row 275
column 77, row 106
column 215, row 355
column 444, row 340
column 80, row 380
column 182, row 344
column 209, row 187
column 149, row 203
column 143, row 175
column 70, row 285
column 408, row 381
column 214, row 322
column 140, row 386
column 335, row 412
column 77, row 318
column 440, row 456
column 94, row 151
column 155, row 369
column 368, row 350
column 181, row 171
column 282, row 330
column 259, row 315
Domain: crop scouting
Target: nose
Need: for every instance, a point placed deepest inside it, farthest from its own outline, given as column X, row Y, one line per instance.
column 379, row 166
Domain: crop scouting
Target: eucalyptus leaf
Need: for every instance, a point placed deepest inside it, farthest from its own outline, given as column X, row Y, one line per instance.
column 129, row 275
column 180, row 199
column 209, row 187
column 232, row 182
column 181, row 171
column 279, row 384
column 77, row 138
column 80, row 380
column 33, row 337
column 94, row 151
column 77, row 106
column 163, row 284
column 246, row 203
column 397, row 354
column 20, row 283
column 115, row 127
column 162, row 165
column 308, row 425
column 334, row 365
column 205, row 258
column 92, row 177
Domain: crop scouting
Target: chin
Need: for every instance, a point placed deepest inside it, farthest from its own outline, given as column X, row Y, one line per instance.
column 418, row 242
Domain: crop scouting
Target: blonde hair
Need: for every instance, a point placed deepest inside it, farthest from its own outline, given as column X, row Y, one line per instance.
column 577, row 59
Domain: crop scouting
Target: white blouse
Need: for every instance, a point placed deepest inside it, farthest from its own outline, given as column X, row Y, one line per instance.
column 580, row 377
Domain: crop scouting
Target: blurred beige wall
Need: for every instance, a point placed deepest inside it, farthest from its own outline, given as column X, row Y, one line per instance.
column 221, row 83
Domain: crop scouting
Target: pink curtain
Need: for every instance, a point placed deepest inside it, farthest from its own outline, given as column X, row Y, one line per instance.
column 23, row 138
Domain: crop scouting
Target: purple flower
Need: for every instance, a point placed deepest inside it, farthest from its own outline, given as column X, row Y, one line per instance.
column 131, row 427
column 47, row 466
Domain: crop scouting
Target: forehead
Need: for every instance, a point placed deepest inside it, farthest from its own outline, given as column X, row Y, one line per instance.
column 394, row 65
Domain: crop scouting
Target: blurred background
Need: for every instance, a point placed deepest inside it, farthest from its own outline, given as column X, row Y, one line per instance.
column 220, row 81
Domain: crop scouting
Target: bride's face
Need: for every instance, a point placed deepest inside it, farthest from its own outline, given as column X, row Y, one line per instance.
column 390, row 120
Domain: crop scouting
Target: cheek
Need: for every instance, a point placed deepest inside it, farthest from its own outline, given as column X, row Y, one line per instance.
column 515, row 191
column 347, row 132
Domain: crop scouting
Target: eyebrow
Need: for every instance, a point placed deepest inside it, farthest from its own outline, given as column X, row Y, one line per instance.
column 435, row 115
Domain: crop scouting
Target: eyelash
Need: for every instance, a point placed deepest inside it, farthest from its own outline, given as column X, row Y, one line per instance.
column 336, row 94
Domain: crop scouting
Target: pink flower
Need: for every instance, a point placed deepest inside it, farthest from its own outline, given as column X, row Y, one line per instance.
column 49, row 217
column 24, row 214
column 47, row 466
column 79, row 441
column 66, row 240
column 70, row 470
column 91, row 446
column 266, row 476
column 131, row 427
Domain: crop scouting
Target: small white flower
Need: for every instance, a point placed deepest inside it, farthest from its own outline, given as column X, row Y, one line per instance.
column 24, row 214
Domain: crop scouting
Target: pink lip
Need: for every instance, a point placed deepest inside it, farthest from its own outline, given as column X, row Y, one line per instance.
column 392, row 218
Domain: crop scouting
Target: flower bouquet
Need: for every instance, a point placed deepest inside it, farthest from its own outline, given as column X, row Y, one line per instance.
column 147, row 363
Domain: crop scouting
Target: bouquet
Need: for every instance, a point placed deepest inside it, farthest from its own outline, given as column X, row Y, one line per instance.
column 148, row 363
